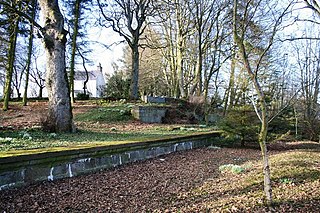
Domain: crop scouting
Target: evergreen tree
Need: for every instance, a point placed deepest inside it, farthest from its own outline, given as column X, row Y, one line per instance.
column 34, row 9
column 78, row 46
column 12, row 20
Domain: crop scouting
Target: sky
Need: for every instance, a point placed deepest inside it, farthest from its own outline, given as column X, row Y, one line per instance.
column 104, row 55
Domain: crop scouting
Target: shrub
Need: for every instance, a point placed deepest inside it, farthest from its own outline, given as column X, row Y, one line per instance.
column 117, row 86
column 241, row 123
column 82, row 96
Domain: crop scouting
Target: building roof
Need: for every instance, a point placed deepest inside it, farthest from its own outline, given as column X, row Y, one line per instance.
column 93, row 75
column 81, row 75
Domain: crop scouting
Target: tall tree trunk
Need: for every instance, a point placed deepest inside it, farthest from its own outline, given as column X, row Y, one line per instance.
column 230, row 93
column 86, row 71
column 180, row 49
column 59, row 110
column 265, row 158
column 40, row 92
column 18, row 94
column 30, row 47
column 13, row 29
column 206, row 103
column 74, row 47
column 180, row 66
column 199, row 65
column 134, row 73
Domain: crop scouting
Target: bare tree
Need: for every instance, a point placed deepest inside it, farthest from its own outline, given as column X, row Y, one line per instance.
column 205, row 15
column 38, row 75
column 19, row 69
column 177, row 28
column 308, row 64
column 251, row 11
column 128, row 19
column 34, row 9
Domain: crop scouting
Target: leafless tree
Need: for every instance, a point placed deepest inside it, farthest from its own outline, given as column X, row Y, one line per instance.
column 128, row 18
column 255, row 12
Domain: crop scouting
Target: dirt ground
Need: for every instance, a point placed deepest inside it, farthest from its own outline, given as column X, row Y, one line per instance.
column 21, row 117
column 18, row 116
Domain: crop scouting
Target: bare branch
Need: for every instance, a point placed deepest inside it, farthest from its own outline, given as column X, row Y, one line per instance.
column 299, row 38
column 313, row 6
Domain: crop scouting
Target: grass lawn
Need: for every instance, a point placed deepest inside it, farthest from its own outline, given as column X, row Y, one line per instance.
column 98, row 124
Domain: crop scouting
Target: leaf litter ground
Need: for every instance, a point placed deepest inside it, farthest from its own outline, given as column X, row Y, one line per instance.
column 188, row 181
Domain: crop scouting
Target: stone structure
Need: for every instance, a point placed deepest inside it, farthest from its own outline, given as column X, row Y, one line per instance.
column 152, row 99
column 149, row 114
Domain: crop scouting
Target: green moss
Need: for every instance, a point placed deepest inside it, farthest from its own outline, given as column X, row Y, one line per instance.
column 69, row 146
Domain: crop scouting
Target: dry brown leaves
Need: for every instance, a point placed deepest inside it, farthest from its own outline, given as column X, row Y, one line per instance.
column 153, row 185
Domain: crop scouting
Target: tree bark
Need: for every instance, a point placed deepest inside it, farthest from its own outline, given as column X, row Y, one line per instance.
column 59, row 111
column 265, row 159
column 135, row 73
column 180, row 69
column 40, row 92
column 199, row 65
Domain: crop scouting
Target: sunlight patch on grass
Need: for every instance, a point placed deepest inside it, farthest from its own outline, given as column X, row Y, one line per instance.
column 106, row 115
column 295, row 179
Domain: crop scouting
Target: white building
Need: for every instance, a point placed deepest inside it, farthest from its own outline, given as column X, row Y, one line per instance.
column 95, row 85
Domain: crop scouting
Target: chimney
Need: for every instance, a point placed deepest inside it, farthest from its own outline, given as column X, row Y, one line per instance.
column 99, row 68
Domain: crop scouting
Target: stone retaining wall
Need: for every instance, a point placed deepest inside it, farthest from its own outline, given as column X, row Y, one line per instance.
column 149, row 114
column 26, row 169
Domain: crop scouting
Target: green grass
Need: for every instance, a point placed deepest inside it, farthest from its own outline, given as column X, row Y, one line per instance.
column 106, row 114
column 93, row 131
column 36, row 139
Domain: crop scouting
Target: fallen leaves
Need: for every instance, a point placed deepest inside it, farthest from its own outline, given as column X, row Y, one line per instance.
column 181, row 182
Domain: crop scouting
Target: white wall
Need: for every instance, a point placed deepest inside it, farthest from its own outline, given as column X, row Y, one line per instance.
column 100, row 85
column 91, row 87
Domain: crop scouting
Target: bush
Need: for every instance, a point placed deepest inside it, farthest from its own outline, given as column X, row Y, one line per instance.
column 82, row 96
column 241, row 123
column 281, row 127
column 117, row 86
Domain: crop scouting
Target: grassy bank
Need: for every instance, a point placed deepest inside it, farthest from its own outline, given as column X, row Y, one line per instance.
column 97, row 124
